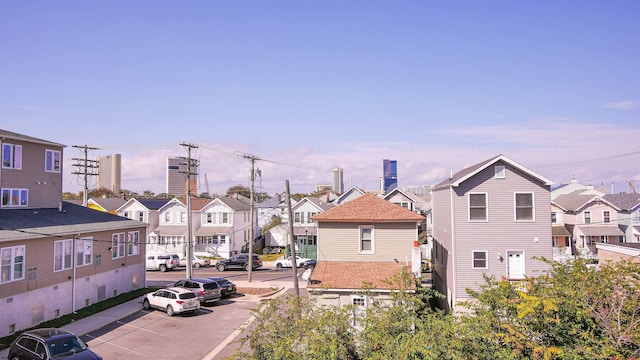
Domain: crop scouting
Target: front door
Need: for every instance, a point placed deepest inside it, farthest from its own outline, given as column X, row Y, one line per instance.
column 515, row 264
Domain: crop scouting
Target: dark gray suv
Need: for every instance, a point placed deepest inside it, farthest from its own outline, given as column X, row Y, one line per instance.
column 206, row 290
column 240, row 261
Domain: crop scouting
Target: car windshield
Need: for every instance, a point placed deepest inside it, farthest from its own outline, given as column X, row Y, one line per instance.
column 66, row 346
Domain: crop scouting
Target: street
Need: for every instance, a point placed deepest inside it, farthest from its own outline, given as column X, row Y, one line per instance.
column 209, row 334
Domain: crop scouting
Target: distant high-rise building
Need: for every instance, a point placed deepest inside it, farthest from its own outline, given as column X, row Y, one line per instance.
column 109, row 172
column 390, row 175
column 177, row 177
column 337, row 182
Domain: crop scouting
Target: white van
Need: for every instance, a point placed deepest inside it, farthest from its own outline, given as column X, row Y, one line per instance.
column 162, row 262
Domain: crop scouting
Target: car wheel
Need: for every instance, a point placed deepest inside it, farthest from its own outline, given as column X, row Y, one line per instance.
column 170, row 310
column 145, row 304
column 197, row 265
column 279, row 265
column 15, row 358
column 220, row 267
column 163, row 268
column 246, row 267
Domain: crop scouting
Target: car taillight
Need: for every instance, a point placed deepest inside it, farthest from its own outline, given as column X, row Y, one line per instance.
column 202, row 292
column 180, row 302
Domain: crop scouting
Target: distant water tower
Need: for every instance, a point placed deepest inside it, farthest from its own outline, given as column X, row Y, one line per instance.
column 109, row 172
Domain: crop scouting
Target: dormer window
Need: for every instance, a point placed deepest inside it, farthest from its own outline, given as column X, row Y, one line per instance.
column 500, row 172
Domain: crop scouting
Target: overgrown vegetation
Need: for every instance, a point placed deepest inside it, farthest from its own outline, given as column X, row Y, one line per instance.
column 82, row 313
column 572, row 312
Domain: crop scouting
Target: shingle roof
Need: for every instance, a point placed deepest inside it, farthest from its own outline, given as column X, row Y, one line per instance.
column 51, row 220
column 16, row 136
column 624, row 201
column 577, row 200
column 368, row 208
column 353, row 275
column 468, row 172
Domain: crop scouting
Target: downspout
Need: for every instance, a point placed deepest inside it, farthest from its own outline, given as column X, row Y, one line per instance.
column 453, row 249
column 73, row 277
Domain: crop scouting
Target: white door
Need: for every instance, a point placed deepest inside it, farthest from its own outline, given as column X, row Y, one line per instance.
column 515, row 264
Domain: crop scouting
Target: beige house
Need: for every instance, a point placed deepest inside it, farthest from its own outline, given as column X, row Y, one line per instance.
column 57, row 257
column 361, row 243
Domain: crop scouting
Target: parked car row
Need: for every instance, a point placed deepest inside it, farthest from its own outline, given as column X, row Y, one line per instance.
column 187, row 295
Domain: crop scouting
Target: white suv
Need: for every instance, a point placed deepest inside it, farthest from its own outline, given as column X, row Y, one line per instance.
column 162, row 262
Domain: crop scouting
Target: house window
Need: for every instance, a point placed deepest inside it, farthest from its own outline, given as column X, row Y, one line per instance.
column 225, row 218
column 126, row 214
column 167, row 217
column 15, row 197
column 133, row 246
column 141, row 216
column 366, row 240
column 183, row 217
column 500, row 172
column 312, row 215
column 441, row 254
column 209, row 218
column 554, row 217
column 606, row 216
column 32, row 273
column 480, row 260
column 98, row 259
column 296, row 218
column 478, row 207
column 62, row 255
column 604, row 239
column 587, row 217
column 84, row 251
column 52, row 161
column 117, row 245
column 12, row 156
column 11, row 263
column 524, row 206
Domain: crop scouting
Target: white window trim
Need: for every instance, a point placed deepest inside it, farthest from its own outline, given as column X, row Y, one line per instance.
column 133, row 245
column 359, row 312
column 54, row 169
column 86, row 245
column 584, row 217
column 14, row 250
column 20, row 191
column 13, row 161
column 604, row 218
column 486, row 206
column 533, row 206
column 486, row 257
column 63, row 265
column 118, row 247
column 500, row 171
column 373, row 241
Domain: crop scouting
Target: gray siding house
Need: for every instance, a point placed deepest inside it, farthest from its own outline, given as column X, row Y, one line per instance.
column 491, row 219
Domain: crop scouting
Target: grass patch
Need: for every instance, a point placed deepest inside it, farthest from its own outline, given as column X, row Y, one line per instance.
column 82, row 313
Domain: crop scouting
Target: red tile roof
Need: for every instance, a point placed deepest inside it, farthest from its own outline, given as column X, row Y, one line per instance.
column 368, row 208
column 354, row 275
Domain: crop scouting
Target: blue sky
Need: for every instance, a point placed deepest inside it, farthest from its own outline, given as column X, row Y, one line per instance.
column 311, row 85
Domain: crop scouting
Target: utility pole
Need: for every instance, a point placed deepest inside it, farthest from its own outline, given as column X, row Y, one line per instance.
column 252, row 176
column 86, row 168
column 190, row 163
column 292, row 244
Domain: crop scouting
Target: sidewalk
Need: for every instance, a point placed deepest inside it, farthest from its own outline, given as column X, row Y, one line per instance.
column 94, row 322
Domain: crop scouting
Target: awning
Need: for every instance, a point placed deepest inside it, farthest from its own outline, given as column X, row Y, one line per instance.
column 560, row 231
column 601, row 230
column 170, row 231
column 213, row 230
